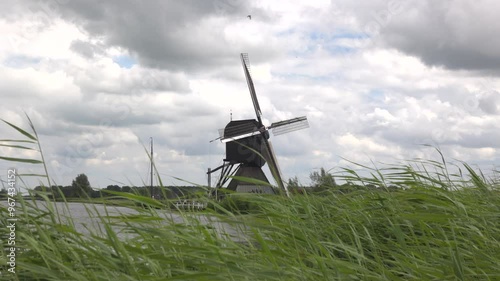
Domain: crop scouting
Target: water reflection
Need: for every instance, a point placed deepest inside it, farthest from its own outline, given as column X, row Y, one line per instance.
column 88, row 219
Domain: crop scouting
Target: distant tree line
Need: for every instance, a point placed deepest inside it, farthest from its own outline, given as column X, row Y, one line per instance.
column 323, row 181
column 81, row 188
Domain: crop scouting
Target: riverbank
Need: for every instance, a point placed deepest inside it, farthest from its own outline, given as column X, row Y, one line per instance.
column 413, row 234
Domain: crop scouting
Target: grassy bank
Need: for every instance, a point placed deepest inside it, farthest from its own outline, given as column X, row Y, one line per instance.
column 420, row 233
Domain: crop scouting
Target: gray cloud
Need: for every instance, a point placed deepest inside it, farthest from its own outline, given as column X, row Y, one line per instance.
column 86, row 49
column 113, row 112
column 177, row 35
column 490, row 103
column 458, row 35
column 134, row 82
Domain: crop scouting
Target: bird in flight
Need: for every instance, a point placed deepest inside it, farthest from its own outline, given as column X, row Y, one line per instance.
column 249, row 17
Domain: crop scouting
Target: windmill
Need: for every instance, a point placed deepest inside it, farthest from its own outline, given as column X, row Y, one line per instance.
column 248, row 147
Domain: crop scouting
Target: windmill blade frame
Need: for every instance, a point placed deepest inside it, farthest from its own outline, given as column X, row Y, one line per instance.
column 273, row 166
column 290, row 125
column 277, row 128
column 242, row 136
column 246, row 69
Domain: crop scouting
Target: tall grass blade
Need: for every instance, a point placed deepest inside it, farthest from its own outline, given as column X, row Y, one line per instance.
column 21, row 160
column 30, row 136
column 16, row 146
column 25, row 141
column 476, row 179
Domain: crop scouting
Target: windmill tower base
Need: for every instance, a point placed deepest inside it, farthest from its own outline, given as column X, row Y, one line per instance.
column 247, row 187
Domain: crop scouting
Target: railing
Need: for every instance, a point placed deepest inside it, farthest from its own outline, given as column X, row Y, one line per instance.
column 190, row 205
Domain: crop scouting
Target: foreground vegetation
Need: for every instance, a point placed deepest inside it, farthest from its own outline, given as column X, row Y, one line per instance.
column 422, row 233
column 414, row 221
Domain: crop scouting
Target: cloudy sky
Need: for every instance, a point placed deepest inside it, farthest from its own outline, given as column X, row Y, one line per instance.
column 376, row 78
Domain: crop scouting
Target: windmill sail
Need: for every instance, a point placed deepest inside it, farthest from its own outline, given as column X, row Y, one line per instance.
column 246, row 68
column 290, row 125
column 277, row 128
column 272, row 161
column 242, row 136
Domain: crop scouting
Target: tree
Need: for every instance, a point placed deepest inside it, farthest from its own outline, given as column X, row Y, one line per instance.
column 114, row 188
column 294, row 185
column 321, row 180
column 81, row 186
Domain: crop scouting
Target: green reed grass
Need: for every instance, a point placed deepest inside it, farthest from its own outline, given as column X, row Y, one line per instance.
column 437, row 225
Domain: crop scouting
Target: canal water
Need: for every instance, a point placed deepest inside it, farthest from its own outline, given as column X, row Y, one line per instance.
column 88, row 217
